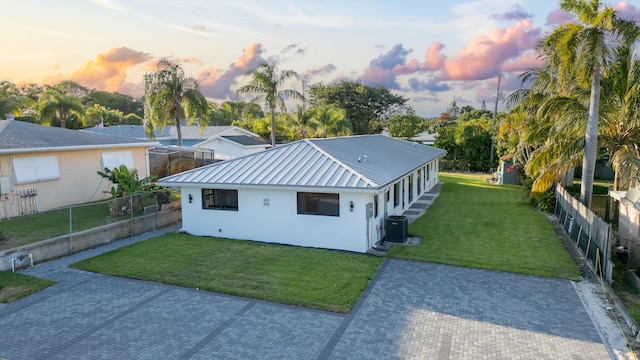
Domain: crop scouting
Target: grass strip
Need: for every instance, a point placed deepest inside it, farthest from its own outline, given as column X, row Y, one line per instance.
column 14, row 286
column 476, row 224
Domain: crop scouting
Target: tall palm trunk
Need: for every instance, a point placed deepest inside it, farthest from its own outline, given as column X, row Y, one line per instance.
column 591, row 140
column 273, row 126
column 178, row 129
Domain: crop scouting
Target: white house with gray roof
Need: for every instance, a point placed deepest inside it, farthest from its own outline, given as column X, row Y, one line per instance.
column 227, row 142
column 44, row 167
column 328, row 193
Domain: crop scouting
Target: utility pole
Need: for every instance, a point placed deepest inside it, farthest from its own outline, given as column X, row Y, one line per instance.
column 493, row 128
column 304, row 96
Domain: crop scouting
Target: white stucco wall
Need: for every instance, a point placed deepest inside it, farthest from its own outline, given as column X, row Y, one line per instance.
column 628, row 223
column 225, row 149
column 278, row 222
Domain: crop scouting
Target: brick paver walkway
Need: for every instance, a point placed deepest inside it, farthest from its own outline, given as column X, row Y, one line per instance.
column 410, row 310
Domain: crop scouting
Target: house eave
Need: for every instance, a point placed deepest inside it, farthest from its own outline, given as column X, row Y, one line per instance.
column 76, row 148
column 273, row 187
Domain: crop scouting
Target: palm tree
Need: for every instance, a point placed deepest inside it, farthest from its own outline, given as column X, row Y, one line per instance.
column 621, row 117
column 267, row 82
column 11, row 100
column 331, row 121
column 169, row 94
column 55, row 103
column 578, row 52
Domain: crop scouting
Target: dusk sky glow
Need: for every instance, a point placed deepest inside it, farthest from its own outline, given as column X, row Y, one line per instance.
column 431, row 52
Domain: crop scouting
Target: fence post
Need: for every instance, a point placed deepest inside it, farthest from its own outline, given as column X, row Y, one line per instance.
column 131, row 210
column 70, row 231
column 579, row 234
column 555, row 207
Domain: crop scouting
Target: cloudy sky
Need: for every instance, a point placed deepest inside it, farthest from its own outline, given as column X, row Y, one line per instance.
column 430, row 51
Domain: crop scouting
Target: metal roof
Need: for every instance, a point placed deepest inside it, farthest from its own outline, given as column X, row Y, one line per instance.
column 20, row 136
column 246, row 140
column 355, row 162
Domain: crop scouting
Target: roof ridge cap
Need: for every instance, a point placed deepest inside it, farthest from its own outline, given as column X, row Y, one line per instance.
column 360, row 176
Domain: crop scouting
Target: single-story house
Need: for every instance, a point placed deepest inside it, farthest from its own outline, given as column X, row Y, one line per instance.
column 230, row 145
column 168, row 135
column 43, row 168
column 425, row 138
column 330, row 193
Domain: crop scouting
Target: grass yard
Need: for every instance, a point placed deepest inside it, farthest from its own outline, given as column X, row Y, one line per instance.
column 315, row 278
column 14, row 286
column 476, row 224
column 45, row 225
column 36, row 227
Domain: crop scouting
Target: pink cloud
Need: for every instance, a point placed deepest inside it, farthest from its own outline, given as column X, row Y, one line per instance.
column 108, row 71
column 380, row 71
column 627, row 11
column 433, row 61
column 409, row 68
column 559, row 17
column 217, row 83
column 434, row 58
column 322, row 70
column 525, row 62
column 485, row 54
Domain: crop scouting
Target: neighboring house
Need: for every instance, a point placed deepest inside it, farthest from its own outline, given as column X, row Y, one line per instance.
column 507, row 173
column 44, row 167
column 191, row 135
column 227, row 146
column 328, row 193
column 628, row 216
column 425, row 138
column 226, row 142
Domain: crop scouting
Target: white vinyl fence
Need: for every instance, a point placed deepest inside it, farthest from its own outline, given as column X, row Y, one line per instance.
column 592, row 235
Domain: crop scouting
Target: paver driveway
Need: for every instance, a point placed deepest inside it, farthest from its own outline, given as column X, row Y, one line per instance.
column 411, row 310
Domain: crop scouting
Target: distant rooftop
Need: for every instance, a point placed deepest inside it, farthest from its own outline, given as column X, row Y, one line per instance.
column 21, row 136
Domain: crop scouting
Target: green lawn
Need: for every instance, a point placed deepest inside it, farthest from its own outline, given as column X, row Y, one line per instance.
column 36, row 227
column 45, row 225
column 14, row 286
column 476, row 224
column 315, row 278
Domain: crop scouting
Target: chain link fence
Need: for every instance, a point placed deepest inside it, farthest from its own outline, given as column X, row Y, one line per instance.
column 79, row 227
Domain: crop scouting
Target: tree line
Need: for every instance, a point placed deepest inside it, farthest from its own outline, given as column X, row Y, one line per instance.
column 172, row 97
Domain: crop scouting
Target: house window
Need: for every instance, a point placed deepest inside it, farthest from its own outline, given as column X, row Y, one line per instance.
column 318, row 204
column 219, row 199
column 111, row 160
column 396, row 194
column 29, row 170
column 419, row 181
column 410, row 188
column 428, row 168
column 375, row 205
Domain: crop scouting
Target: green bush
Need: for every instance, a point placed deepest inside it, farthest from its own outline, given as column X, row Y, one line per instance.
column 545, row 201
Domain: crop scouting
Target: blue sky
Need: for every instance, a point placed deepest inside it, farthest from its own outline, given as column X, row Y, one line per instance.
column 431, row 52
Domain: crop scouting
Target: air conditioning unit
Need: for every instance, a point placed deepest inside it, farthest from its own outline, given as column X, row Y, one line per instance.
column 5, row 185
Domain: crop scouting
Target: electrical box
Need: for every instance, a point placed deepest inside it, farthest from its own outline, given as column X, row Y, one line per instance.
column 5, row 185
column 369, row 210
